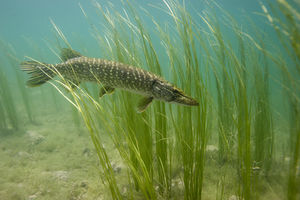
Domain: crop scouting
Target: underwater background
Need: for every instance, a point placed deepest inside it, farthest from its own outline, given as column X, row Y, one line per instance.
column 239, row 59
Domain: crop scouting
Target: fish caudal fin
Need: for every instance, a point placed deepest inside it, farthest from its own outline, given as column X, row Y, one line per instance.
column 40, row 72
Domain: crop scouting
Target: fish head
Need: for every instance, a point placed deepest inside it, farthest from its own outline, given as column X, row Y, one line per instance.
column 181, row 98
column 167, row 92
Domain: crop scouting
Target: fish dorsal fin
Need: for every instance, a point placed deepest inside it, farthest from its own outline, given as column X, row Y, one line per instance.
column 67, row 53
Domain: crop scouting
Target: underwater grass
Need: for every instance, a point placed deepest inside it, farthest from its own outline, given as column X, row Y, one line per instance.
column 243, row 124
column 168, row 143
column 22, row 88
column 160, row 118
column 7, row 103
column 82, row 106
column 234, row 106
column 138, row 126
column 191, row 126
column 56, row 104
column 13, row 61
column 224, row 97
column 263, row 121
column 131, row 155
column 219, row 60
column 138, row 157
column 3, row 123
column 287, row 26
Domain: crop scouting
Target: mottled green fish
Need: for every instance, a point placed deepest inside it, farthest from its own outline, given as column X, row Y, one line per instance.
column 76, row 68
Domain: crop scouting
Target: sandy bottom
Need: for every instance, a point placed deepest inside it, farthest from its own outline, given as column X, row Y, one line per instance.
column 54, row 159
column 51, row 160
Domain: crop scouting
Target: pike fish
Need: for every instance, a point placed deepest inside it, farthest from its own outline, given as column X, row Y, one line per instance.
column 112, row 75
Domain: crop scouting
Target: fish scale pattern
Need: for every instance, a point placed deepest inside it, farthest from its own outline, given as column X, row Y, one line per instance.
column 109, row 73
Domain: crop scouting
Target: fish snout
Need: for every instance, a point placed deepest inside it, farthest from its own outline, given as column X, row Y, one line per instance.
column 186, row 100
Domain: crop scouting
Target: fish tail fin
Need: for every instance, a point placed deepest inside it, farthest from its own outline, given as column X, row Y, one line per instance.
column 40, row 72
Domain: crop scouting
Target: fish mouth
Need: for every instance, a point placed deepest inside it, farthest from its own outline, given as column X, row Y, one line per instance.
column 186, row 100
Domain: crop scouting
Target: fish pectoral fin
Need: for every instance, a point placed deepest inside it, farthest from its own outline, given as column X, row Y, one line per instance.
column 144, row 103
column 106, row 90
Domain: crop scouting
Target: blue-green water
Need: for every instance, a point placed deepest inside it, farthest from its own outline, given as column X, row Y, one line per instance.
column 31, row 20
column 46, row 151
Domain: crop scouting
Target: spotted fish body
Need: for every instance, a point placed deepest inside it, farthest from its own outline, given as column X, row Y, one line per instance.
column 110, row 75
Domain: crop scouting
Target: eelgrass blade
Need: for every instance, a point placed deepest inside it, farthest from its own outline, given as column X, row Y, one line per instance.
column 8, row 102
column 286, row 25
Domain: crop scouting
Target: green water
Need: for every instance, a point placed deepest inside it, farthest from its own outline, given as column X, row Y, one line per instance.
column 241, row 142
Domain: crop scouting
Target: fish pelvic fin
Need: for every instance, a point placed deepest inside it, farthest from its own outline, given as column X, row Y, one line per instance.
column 106, row 90
column 67, row 53
column 144, row 103
column 40, row 72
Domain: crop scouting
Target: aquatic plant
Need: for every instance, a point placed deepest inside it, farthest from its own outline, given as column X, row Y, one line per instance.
column 139, row 154
column 191, row 126
column 12, row 59
column 224, row 85
column 165, row 146
column 263, row 120
column 243, row 123
column 9, row 117
column 234, row 114
column 2, row 114
column 22, row 88
column 286, row 23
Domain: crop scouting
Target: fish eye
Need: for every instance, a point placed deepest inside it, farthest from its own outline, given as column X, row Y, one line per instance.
column 176, row 91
